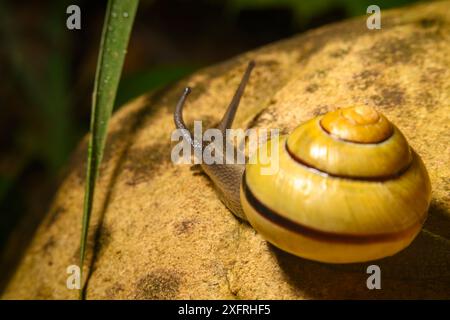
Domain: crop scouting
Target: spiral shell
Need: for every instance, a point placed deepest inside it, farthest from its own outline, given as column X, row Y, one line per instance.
column 349, row 189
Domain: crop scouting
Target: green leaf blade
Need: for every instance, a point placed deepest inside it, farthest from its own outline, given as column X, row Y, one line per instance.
column 113, row 47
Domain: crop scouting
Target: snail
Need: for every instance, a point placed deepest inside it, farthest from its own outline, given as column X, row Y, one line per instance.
column 349, row 187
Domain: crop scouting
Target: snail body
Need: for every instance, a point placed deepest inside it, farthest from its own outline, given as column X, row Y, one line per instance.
column 349, row 188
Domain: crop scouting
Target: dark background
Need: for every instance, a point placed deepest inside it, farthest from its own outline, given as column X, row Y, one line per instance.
column 47, row 74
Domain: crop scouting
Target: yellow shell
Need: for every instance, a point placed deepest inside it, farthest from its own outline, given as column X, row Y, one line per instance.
column 335, row 197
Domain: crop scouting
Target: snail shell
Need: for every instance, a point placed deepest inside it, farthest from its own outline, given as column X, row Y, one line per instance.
column 349, row 188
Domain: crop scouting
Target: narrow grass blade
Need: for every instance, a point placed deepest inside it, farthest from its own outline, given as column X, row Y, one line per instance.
column 115, row 35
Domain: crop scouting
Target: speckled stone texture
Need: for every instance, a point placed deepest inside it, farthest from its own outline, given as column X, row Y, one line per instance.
column 159, row 230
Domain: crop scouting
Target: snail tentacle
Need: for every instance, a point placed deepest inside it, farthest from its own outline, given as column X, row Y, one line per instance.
column 226, row 177
column 179, row 122
column 228, row 117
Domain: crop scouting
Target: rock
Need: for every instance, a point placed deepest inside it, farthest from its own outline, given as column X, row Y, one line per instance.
column 159, row 230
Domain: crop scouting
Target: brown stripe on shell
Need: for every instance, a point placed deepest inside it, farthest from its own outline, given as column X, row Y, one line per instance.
column 296, row 227
column 351, row 141
column 342, row 176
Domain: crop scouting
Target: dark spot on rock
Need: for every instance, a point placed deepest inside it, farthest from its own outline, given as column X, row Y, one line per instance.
column 396, row 50
column 434, row 76
column 320, row 73
column 390, row 97
column 184, row 226
column 364, row 79
column 391, row 51
column 50, row 243
column 339, row 53
column 44, row 292
column 273, row 101
column 113, row 291
column 312, row 88
column 427, row 100
column 429, row 22
column 54, row 215
column 142, row 162
column 320, row 110
column 160, row 284
column 407, row 50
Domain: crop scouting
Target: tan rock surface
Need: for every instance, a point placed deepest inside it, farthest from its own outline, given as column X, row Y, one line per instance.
column 163, row 233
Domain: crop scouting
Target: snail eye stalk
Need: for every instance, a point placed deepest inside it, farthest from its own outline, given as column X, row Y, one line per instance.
column 228, row 117
column 178, row 117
